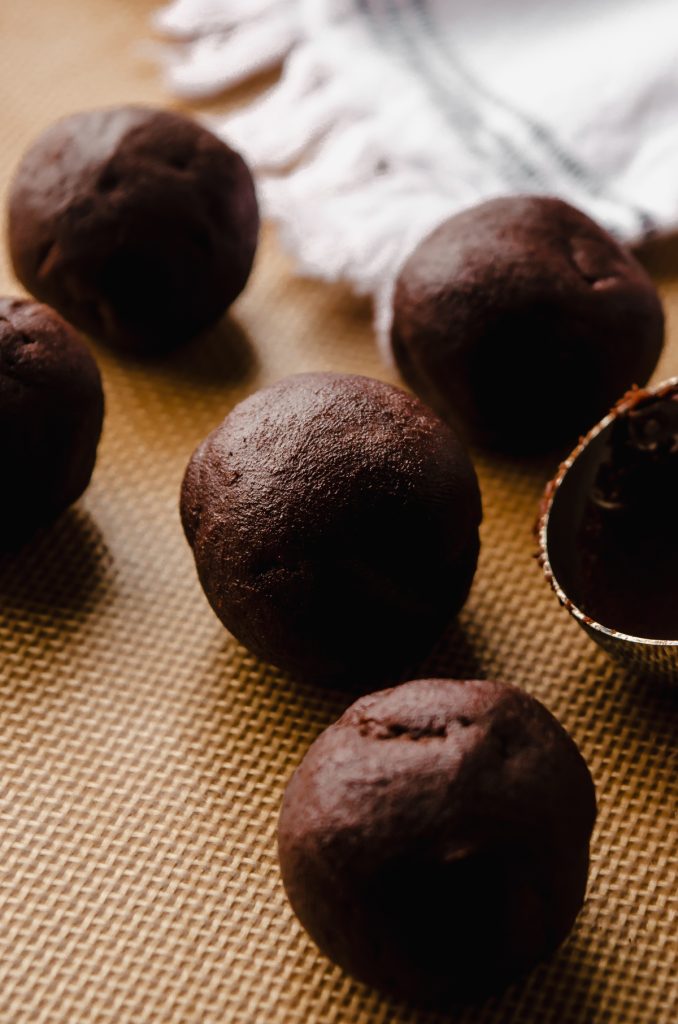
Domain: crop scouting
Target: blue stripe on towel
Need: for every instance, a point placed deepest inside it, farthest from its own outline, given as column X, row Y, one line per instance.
column 461, row 95
column 458, row 103
column 538, row 131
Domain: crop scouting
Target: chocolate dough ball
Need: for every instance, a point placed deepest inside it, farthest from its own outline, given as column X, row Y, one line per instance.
column 524, row 320
column 138, row 225
column 51, row 411
column 434, row 841
column 334, row 523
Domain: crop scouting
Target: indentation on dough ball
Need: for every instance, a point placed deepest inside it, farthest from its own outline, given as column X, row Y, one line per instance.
column 47, row 257
column 109, row 180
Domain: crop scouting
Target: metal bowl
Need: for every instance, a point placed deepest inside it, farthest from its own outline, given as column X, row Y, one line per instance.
column 563, row 508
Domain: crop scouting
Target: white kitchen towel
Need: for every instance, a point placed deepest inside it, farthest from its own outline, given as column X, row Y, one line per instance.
column 391, row 115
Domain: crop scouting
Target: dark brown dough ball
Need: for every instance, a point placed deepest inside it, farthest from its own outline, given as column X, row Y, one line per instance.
column 524, row 320
column 138, row 225
column 51, row 412
column 434, row 841
column 334, row 523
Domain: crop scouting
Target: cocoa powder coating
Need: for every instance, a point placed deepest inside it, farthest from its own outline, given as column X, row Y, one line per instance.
column 138, row 225
column 523, row 320
column 434, row 841
column 334, row 523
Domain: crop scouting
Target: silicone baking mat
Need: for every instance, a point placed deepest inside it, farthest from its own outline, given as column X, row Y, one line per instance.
column 143, row 752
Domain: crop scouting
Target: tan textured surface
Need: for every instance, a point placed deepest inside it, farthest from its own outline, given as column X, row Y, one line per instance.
column 143, row 752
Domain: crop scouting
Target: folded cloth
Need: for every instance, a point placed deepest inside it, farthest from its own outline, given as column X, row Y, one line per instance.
column 391, row 115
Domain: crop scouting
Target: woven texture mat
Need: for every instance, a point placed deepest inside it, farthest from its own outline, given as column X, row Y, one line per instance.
column 143, row 753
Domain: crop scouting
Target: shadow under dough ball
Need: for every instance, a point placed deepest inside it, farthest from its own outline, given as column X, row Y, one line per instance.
column 51, row 413
column 434, row 841
column 524, row 320
column 138, row 225
column 334, row 523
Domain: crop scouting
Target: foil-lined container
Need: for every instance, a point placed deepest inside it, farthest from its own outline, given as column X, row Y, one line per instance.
column 561, row 515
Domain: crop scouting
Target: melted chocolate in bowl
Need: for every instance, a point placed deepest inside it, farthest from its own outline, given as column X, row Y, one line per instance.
column 612, row 524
